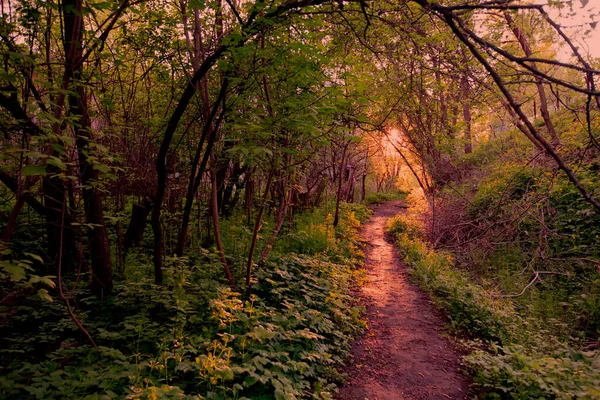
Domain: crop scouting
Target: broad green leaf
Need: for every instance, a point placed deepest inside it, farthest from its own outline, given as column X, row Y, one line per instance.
column 33, row 170
column 43, row 294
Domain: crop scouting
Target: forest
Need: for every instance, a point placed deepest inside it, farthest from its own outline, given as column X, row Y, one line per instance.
column 185, row 188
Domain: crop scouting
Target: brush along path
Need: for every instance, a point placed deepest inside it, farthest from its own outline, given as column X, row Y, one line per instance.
column 402, row 355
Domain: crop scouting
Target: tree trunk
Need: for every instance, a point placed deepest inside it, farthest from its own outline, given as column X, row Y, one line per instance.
column 350, row 188
column 214, row 207
column 255, row 233
column 137, row 225
column 336, row 218
column 284, row 201
column 94, row 215
column 54, row 198
column 316, row 200
column 248, row 196
column 11, row 224
column 363, row 189
column 228, row 201
column 466, row 115
column 209, row 133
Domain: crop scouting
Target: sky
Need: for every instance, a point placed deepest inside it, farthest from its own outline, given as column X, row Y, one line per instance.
column 576, row 20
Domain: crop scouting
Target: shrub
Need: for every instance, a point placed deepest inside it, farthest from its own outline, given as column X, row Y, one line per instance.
column 194, row 337
column 519, row 358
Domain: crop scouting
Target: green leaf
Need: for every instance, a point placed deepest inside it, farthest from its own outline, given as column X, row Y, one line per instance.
column 46, row 280
column 57, row 162
column 101, row 168
column 43, row 294
column 35, row 257
column 32, row 170
column 16, row 272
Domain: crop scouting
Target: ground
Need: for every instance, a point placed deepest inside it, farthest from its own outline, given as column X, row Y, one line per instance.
column 404, row 353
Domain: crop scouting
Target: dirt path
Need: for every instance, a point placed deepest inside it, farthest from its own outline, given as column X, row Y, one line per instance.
column 402, row 355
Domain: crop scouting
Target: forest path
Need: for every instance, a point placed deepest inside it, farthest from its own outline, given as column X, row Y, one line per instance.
column 402, row 354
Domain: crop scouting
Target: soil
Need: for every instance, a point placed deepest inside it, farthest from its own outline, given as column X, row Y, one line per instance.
column 403, row 354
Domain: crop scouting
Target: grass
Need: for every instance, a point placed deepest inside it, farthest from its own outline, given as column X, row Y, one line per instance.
column 514, row 354
column 378, row 198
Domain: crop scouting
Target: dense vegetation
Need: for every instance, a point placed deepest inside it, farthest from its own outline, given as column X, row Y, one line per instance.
column 527, row 290
column 194, row 335
column 181, row 185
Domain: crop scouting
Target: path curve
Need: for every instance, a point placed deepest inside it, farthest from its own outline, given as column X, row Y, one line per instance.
column 403, row 354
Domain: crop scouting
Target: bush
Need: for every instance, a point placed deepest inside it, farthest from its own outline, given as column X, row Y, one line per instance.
column 314, row 234
column 398, row 225
column 505, row 185
column 524, row 373
column 518, row 357
column 194, row 336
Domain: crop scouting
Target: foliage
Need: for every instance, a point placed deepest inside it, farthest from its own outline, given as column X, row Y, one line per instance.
column 515, row 214
column 314, row 234
column 194, row 338
column 521, row 372
column 507, row 184
column 518, row 357
column 17, row 273
column 182, row 111
column 399, row 225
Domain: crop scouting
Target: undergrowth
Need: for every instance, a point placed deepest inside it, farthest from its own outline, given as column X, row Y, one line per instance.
column 514, row 214
column 515, row 356
column 194, row 337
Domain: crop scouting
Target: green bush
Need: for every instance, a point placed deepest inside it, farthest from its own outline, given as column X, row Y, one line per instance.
column 360, row 211
column 314, row 234
column 399, row 225
column 194, row 336
column 506, row 184
column 520, row 372
column 285, row 340
column 522, row 217
column 519, row 358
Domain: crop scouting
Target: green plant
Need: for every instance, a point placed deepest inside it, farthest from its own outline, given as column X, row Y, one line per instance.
column 520, row 357
column 194, row 336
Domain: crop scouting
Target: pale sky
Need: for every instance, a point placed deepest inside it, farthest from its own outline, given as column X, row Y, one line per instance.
column 576, row 21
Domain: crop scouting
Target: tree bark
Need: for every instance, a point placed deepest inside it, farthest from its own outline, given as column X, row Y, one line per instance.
column 466, row 115
column 137, row 225
column 255, row 233
column 350, row 187
column 97, row 234
column 336, row 218
column 209, row 133
column 214, row 207
column 248, row 196
column 284, row 202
